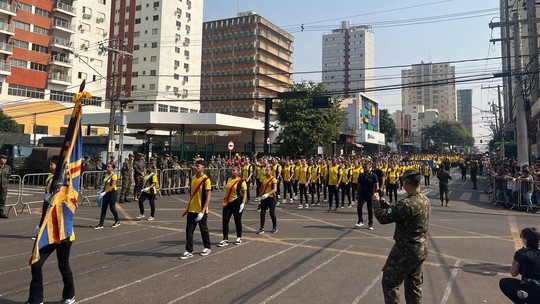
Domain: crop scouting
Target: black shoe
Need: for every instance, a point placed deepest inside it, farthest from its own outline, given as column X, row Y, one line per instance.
column 3, row 215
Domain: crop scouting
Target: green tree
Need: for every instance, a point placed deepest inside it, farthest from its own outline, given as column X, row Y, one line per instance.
column 388, row 126
column 447, row 134
column 8, row 124
column 305, row 128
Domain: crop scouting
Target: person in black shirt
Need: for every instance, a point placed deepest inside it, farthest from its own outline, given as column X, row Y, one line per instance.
column 367, row 185
column 380, row 177
column 527, row 263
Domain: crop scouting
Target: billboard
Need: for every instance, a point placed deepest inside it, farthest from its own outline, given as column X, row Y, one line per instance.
column 369, row 113
column 372, row 137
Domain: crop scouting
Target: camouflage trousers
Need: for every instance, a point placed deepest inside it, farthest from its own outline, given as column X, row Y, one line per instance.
column 3, row 197
column 126, row 185
column 402, row 267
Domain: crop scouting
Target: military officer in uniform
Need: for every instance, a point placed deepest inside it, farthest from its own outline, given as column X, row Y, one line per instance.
column 404, row 263
column 444, row 177
column 5, row 173
column 87, row 166
column 127, row 179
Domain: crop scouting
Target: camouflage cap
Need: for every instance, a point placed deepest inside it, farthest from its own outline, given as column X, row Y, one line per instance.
column 3, row 156
column 409, row 173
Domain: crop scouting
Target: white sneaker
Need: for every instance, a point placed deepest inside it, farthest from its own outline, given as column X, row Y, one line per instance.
column 306, row 206
column 206, row 251
column 186, row 255
column 223, row 243
column 256, row 199
column 360, row 224
column 140, row 216
column 68, row 301
column 291, row 200
column 150, row 218
column 238, row 241
column 370, row 228
column 284, row 200
column 300, row 207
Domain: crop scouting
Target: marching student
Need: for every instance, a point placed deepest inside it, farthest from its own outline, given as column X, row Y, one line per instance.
column 303, row 182
column 333, row 180
column 268, row 199
column 149, row 191
column 197, row 210
column 233, row 205
column 109, row 195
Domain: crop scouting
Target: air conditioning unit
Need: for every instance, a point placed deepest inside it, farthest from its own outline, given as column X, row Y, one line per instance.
column 186, row 43
column 87, row 16
column 100, row 20
column 105, row 34
column 178, row 16
column 178, row 27
column 187, row 57
column 187, row 69
column 82, row 31
column 175, row 67
column 183, row 82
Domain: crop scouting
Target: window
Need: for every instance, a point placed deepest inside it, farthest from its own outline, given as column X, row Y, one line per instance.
column 156, row 4
column 18, row 63
column 102, row 1
column 155, row 18
column 154, row 45
column 24, row 91
column 82, row 75
column 155, row 31
column 38, row 67
column 153, row 58
column 25, row 7
column 98, row 63
column 176, row 76
column 173, row 109
column 40, row 48
column 41, row 129
column 185, row 79
column 152, row 72
column 152, row 86
column 42, row 12
column 21, row 25
column 41, row 30
column 146, row 107
column 163, row 108
column 177, row 50
column 20, row 44
column 136, row 47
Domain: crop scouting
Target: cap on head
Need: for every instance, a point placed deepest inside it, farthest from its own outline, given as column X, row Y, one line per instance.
column 3, row 156
column 200, row 161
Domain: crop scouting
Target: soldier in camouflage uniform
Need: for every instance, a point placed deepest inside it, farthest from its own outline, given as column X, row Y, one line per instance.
column 127, row 179
column 5, row 174
column 410, row 250
column 444, row 177
column 166, row 179
column 139, row 169
column 87, row 166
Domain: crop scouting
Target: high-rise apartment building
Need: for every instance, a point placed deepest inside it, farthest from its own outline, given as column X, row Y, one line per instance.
column 464, row 108
column 348, row 59
column 163, row 38
column 48, row 47
column 245, row 59
column 431, row 85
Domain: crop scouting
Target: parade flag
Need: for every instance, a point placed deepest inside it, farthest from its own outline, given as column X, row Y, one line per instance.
column 57, row 224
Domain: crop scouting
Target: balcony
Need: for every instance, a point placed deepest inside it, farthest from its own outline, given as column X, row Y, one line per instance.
column 5, row 68
column 9, row 9
column 57, row 77
column 6, row 48
column 62, row 43
column 65, row 9
column 64, row 26
column 7, row 29
column 61, row 61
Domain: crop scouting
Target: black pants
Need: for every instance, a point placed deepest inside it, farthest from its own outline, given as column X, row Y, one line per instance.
column 463, row 175
column 295, row 187
column 510, row 286
column 354, row 186
column 315, row 188
column 248, row 184
column 232, row 209
column 392, row 191
column 109, row 200
column 151, row 199
column 345, row 190
column 287, row 188
column 258, row 185
column 190, row 230
column 303, row 193
column 62, row 255
column 333, row 193
column 473, row 180
column 323, row 181
column 426, row 180
column 270, row 204
column 365, row 198
column 278, row 193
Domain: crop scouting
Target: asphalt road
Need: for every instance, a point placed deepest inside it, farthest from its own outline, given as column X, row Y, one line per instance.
column 316, row 257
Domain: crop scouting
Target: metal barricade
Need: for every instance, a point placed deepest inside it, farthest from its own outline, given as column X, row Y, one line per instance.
column 90, row 186
column 14, row 193
column 33, row 190
column 213, row 174
column 224, row 174
column 172, row 181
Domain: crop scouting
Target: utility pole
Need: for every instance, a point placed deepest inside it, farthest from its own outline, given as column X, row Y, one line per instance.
column 117, row 54
column 521, row 118
column 502, row 125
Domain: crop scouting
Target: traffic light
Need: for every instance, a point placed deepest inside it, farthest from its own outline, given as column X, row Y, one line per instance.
column 321, row 102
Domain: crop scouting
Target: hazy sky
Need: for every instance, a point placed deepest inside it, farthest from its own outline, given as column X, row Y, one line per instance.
column 406, row 32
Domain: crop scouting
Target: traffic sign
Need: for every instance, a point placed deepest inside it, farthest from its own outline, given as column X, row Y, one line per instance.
column 230, row 146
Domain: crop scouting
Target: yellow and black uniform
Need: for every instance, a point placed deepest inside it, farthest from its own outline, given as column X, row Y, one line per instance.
column 315, row 185
column 392, row 178
column 333, row 177
column 276, row 172
column 109, row 200
column 149, row 192
column 427, row 173
column 355, row 173
column 288, row 172
column 295, row 178
column 324, row 172
column 260, row 175
column 247, row 175
column 346, row 186
column 269, row 203
column 200, row 190
column 231, row 205
column 303, row 180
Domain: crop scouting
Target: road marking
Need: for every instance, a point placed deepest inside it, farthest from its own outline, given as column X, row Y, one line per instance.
column 484, row 197
column 232, row 274
column 152, row 276
column 126, row 215
column 367, row 289
column 466, row 196
column 514, row 231
column 450, row 283
column 282, row 290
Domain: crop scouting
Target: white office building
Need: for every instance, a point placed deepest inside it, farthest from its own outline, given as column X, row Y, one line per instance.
column 348, row 59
